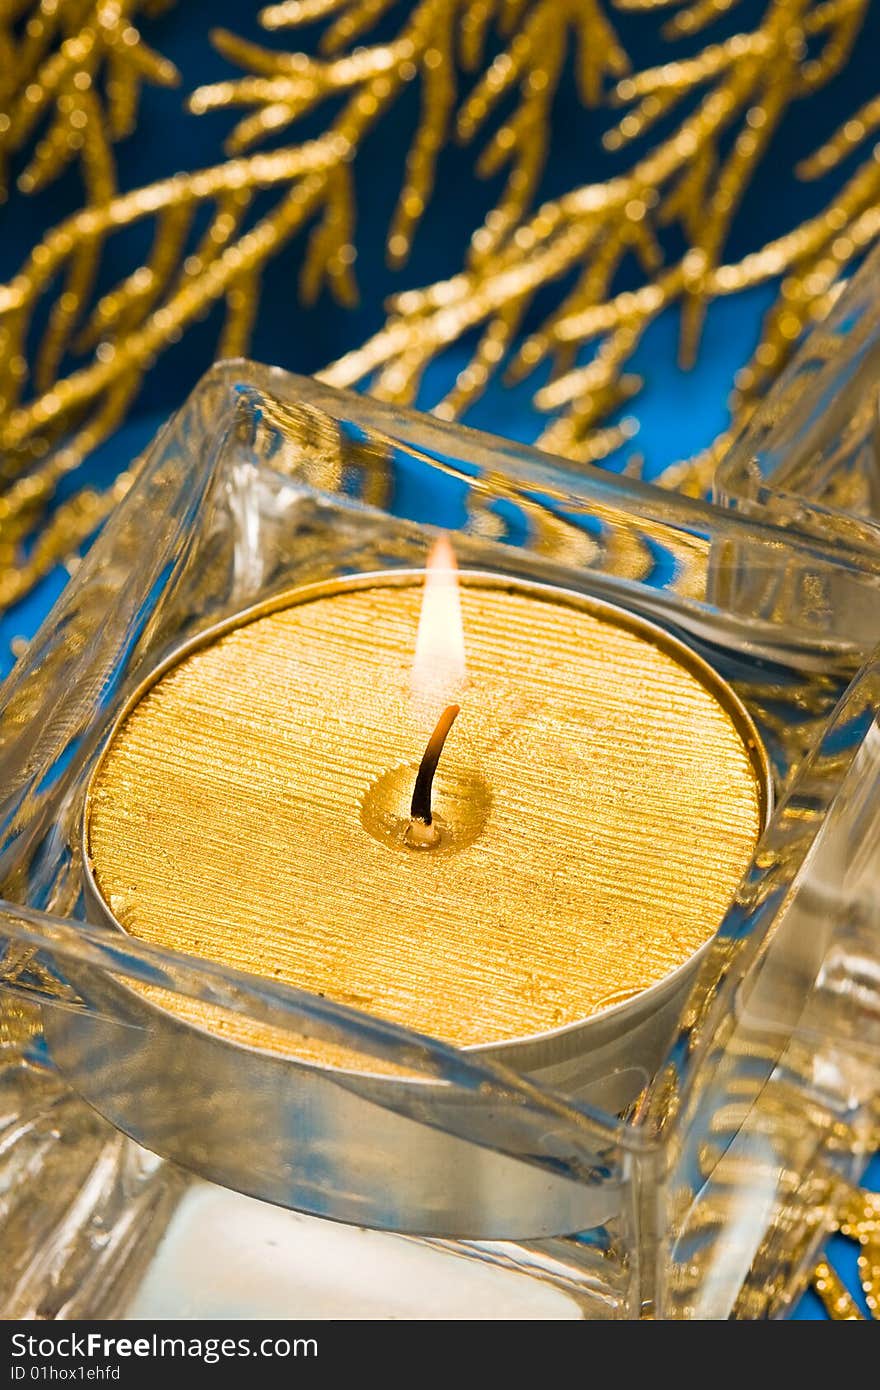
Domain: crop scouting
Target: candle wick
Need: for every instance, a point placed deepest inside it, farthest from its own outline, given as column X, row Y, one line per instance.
column 420, row 808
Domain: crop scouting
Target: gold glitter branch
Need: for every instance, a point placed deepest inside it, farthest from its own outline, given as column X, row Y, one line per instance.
column 47, row 436
column 54, row 57
column 695, row 178
column 858, row 1217
column 284, row 87
column 734, row 93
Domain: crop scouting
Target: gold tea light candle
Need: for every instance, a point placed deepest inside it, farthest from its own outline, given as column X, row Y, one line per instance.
column 554, row 857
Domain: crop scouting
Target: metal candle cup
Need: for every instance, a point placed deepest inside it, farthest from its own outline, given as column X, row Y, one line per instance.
column 600, row 797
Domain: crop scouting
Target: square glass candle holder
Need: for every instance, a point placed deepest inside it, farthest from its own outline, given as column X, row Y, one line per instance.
column 148, row 1172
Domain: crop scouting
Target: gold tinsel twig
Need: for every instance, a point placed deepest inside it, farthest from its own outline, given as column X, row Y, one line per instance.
column 690, row 178
column 747, row 82
column 47, row 435
column 52, row 56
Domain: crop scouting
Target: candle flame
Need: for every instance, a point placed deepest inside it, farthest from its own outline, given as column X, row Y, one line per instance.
column 439, row 669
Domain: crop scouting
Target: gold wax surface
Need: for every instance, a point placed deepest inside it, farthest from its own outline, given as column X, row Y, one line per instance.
column 601, row 800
